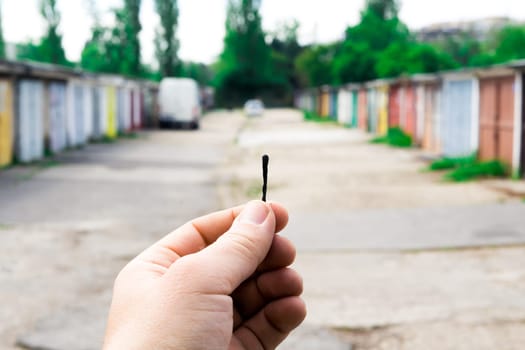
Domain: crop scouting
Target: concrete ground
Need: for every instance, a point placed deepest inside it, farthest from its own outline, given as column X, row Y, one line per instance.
column 392, row 257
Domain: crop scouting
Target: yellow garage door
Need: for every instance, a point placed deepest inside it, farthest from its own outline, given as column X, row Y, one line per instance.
column 6, row 123
column 111, row 96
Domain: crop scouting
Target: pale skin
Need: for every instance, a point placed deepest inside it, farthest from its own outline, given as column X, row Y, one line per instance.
column 221, row 281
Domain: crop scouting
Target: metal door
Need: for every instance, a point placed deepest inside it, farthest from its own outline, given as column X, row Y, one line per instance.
column 30, row 133
column 382, row 125
column 410, row 125
column 343, row 107
column 111, row 112
column 363, row 110
column 393, row 107
column 355, row 109
column 497, row 119
column 456, row 119
column 80, row 115
column 57, row 117
column 6, row 123
column 522, row 158
column 88, row 112
column 372, row 110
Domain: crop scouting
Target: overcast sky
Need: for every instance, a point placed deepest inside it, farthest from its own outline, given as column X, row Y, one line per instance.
column 201, row 22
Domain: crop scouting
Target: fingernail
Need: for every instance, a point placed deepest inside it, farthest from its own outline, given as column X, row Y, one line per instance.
column 254, row 213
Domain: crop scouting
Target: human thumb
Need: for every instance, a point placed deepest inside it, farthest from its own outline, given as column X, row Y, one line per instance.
column 234, row 257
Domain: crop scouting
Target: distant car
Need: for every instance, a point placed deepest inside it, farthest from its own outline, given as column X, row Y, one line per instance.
column 254, row 108
column 179, row 103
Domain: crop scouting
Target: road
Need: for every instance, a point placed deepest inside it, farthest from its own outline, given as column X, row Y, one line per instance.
column 392, row 257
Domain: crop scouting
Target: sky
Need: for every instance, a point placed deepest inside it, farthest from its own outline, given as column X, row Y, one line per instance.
column 201, row 22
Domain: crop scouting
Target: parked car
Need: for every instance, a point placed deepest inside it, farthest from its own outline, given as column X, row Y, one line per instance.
column 254, row 108
column 179, row 103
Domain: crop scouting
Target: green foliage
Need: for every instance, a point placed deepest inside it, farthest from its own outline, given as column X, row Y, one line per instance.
column 395, row 137
column 452, row 163
column 477, row 170
column 411, row 58
column 504, row 45
column 464, row 50
column 49, row 49
column 131, row 45
column 116, row 50
column 314, row 65
column 245, row 69
column 314, row 117
column 51, row 46
column 384, row 9
column 2, row 41
column 381, row 46
column 285, row 50
column 378, row 32
column 166, row 43
column 468, row 168
column 199, row 72
column 353, row 62
column 511, row 43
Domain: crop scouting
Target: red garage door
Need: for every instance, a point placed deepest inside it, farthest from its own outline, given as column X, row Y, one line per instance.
column 497, row 119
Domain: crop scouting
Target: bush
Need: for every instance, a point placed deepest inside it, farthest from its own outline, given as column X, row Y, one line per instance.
column 452, row 163
column 395, row 137
column 477, row 170
column 314, row 117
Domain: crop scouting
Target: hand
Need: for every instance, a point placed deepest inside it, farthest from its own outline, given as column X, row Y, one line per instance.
column 218, row 282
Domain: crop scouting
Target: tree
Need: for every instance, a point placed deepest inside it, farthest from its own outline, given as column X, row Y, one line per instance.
column 115, row 50
column 384, row 9
column 166, row 43
column 511, row 43
column 130, row 17
column 199, row 72
column 2, row 42
column 92, row 57
column 51, row 49
column 379, row 30
column 411, row 58
column 354, row 62
column 245, row 68
column 314, row 65
column 463, row 48
column 286, row 49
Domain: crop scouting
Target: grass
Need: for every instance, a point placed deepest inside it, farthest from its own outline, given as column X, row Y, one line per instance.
column 452, row 163
column 477, row 170
column 254, row 190
column 48, row 163
column 395, row 137
column 129, row 135
column 468, row 168
column 104, row 140
column 314, row 117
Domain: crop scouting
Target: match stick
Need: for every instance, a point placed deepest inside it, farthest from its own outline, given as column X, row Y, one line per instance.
column 265, row 161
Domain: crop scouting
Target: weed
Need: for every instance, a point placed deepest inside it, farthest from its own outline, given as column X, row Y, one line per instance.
column 253, row 190
column 129, row 135
column 48, row 163
column 314, row 117
column 395, row 137
column 476, row 170
column 452, row 163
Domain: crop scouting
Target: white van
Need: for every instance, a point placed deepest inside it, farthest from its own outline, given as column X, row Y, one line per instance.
column 179, row 103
